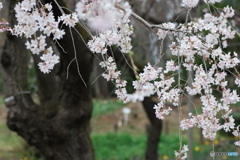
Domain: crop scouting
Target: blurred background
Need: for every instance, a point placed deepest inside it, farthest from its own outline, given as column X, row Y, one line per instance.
column 130, row 131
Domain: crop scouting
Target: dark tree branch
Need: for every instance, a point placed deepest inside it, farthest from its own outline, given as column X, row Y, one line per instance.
column 59, row 127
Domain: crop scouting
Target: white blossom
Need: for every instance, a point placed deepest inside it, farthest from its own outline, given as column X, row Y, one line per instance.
column 190, row 3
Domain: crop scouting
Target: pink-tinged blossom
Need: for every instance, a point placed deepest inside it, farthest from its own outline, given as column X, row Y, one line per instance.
column 111, row 70
column 49, row 57
column 96, row 45
column 48, row 6
column 58, row 34
column 146, row 90
column 102, row 15
column 182, row 154
column 162, row 33
column 160, row 110
column 210, row 105
column 212, row 39
column 111, row 22
column 165, row 83
column 187, row 123
column 190, row 3
column 237, row 143
column 212, row 1
column 149, row 73
column 230, row 97
column 229, row 12
column 210, row 127
column 224, row 44
column 216, row 53
column 27, row 5
column 121, row 94
column 119, row 36
column 45, row 68
column 237, row 82
column 38, row 45
column 4, row 26
column 219, row 77
column 120, row 83
column 236, row 132
column 202, row 81
column 69, row 19
column 49, row 60
column 38, row 20
column 171, row 66
column 229, row 124
column 204, row 37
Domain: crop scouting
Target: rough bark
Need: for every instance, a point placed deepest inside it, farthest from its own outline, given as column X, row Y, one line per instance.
column 59, row 126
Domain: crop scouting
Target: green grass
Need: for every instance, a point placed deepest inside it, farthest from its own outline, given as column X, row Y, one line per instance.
column 11, row 144
column 118, row 146
column 168, row 144
column 125, row 146
column 1, row 101
column 101, row 107
column 110, row 146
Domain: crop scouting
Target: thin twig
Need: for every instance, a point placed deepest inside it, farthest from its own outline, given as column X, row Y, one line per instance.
column 75, row 54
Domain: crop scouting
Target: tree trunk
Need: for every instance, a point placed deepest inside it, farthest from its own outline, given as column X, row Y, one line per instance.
column 153, row 130
column 59, row 126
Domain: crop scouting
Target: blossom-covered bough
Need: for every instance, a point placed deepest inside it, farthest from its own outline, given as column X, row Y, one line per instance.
column 203, row 38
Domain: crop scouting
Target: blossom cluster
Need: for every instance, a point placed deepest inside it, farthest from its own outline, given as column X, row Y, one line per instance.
column 151, row 81
column 182, row 155
column 194, row 3
column 163, row 33
column 202, row 39
column 49, row 60
column 3, row 24
column 190, row 3
column 236, row 133
column 33, row 20
column 111, row 21
column 36, row 21
column 102, row 15
column 205, row 38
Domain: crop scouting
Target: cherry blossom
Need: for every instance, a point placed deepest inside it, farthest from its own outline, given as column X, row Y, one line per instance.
column 49, row 60
column 190, row 3
column 237, row 82
column 182, row 154
column 69, row 19
column 237, row 143
column 202, row 39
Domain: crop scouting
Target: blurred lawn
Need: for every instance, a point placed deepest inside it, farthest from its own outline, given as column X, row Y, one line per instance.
column 112, row 146
column 11, row 145
column 118, row 146
column 101, row 107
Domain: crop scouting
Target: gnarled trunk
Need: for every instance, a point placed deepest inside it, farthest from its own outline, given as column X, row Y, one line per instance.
column 59, row 126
